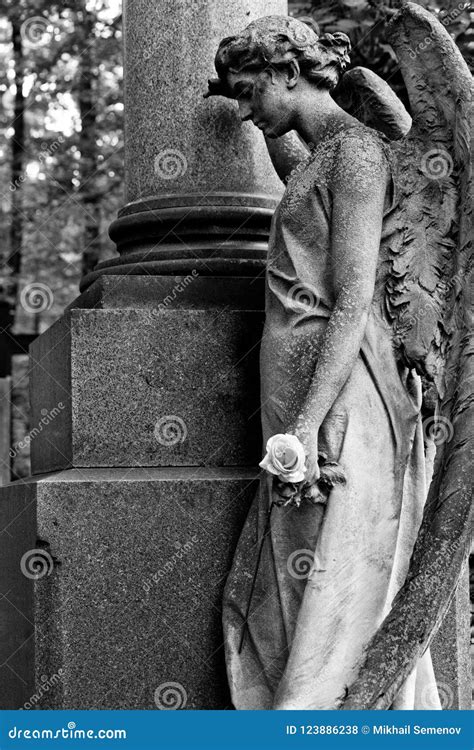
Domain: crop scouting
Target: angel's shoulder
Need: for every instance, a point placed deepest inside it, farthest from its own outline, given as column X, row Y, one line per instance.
column 363, row 138
column 362, row 157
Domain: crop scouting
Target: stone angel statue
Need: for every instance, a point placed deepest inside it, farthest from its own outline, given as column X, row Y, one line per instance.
column 366, row 316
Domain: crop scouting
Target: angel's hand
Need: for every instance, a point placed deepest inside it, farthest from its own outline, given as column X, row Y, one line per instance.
column 312, row 465
column 309, row 440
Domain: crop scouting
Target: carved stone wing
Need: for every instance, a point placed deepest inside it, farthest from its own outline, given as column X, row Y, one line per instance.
column 427, row 243
column 429, row 300
column 364, row 95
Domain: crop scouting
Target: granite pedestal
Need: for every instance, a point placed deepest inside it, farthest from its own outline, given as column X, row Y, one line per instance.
column 125, row 607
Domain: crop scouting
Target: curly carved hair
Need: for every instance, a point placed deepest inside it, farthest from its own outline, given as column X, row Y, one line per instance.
column 275, row 40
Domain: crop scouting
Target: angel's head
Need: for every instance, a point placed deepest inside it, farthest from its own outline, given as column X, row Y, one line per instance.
column 270, row 65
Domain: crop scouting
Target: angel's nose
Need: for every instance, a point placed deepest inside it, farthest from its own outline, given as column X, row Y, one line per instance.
column 245, row 111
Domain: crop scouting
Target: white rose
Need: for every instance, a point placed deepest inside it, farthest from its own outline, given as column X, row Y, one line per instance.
column 285, row 458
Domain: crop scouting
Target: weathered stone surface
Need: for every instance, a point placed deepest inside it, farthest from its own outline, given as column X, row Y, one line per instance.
column 5, row 429
column 50, row 389
column 173, row 292
column 133, row 600
column 20, row 418
column 143, row 387
column 17, row 537
column 450, row 651
column 200, row 194
column 176, row 141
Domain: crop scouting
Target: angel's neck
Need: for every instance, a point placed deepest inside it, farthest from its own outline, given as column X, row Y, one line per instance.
column 317, row 116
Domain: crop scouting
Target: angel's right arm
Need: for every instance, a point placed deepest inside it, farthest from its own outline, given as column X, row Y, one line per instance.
column 286, row 153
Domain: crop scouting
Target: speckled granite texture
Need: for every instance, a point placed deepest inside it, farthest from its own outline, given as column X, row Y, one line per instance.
column 133, row 600
column 450, row 651
column 147, row 388
column 176, row 141
column 18, row 536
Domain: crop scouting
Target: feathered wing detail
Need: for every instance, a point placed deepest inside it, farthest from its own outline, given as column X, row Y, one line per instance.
column 366, row 96
column 422, row 250
column 427, row 268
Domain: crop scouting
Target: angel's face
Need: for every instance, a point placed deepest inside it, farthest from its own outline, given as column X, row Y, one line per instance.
column 261, row 96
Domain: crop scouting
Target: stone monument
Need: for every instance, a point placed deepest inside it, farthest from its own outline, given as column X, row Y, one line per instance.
column 145, row 396
column 365, row 369
column 116, row 550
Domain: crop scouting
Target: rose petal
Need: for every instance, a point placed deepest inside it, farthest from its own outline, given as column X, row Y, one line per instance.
column 267, row 465
column 285, row 458
column 277, row 464
column 296, row 476
column 285, row 454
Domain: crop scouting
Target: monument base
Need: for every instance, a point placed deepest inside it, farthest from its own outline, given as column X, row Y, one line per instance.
column 130, row 566
column 112, row 583
column 112, row 576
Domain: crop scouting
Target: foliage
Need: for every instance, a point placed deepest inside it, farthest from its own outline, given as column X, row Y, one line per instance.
column 72, row 171
column 365, row 23
column 69, row 184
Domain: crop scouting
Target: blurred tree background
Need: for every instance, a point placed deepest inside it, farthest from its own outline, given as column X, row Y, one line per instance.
column 61, row 175
column 365, row 21
column 61, row 161
column 60, row 151
column 61, row 134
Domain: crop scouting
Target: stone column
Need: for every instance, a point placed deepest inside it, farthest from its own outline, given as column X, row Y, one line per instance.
column 145, row 402
column 200, row 187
